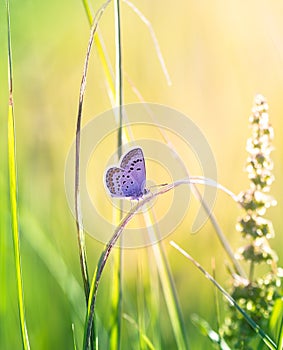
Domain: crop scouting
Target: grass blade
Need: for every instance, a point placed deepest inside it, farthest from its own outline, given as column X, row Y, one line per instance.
column 4, row 251
column 154, row 39
column 267, row 340
column 55, row 264
column 115, row 334
column 280, row 337
column 102, row 55
column 74, row 337
column 276, row 322
column 79, row 219
column 170, row 296
column 141, row 333
column 205, row 329
column 223, row 240
column 13, row 192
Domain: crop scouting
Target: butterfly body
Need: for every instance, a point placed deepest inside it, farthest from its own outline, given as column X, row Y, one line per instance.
column 128, row 180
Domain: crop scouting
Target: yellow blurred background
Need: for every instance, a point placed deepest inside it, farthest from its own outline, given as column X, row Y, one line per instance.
column 219, row 55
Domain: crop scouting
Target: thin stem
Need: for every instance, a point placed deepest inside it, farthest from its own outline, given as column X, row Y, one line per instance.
column 79, row 222
column 78, row 213
column 251, row 273
column 118, row 80
column 115, row 338
column 154, row 39
column 268, row 341
column 13, row 191
column 102, row 54
column 141, row 333
column 223, row 240
column 101, row 264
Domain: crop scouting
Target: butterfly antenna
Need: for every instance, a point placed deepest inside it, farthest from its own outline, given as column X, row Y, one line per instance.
column 160, row 185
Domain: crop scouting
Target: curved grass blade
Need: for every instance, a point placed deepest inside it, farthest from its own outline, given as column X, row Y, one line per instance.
column 101, row 54
column 116, row 98
column 81, row 236
column 267, row 340
column 13, row 192
column 141, row 333
column 79, row 222
column 78, row 214
column 223, row 240
column 154, row 39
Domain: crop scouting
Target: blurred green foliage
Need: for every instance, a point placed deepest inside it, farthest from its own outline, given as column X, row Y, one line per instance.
column 219, row 54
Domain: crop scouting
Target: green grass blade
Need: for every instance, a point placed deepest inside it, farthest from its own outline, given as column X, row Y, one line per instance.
column 116, row 301
column 171, row 299
column 166, row 276
column 15, row 228
column 3, row 249
column 153, row 296
column 280, row 337
column 266, row 339
column 115, row 95
column 55, row 264
column 141, row 333
column 13, row 193
column 276, row 322
column 78, row 214
column 141, row 306
column 101, row 54
column 74, row 337
column 168, row 288
column 100, row 267
column 205, row 329
column 115, row 334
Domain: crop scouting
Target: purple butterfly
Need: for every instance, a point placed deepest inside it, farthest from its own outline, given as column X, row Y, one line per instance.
column 127, row 180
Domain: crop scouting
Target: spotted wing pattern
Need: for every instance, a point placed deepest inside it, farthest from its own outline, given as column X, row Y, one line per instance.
column 129, row 179
column 133, row 163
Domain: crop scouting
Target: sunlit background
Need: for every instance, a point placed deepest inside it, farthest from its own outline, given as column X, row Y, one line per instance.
column 219, row 55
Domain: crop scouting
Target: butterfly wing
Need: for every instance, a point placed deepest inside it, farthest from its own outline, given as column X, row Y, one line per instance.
column 134, row 165
column 113, row 183
column 120, row 184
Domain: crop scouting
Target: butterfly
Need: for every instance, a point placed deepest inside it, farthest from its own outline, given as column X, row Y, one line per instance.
column 127, row 180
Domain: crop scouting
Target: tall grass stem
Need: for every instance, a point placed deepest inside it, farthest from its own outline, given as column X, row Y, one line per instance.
column 116, row 296
column 13, row 191
column 78, row 214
